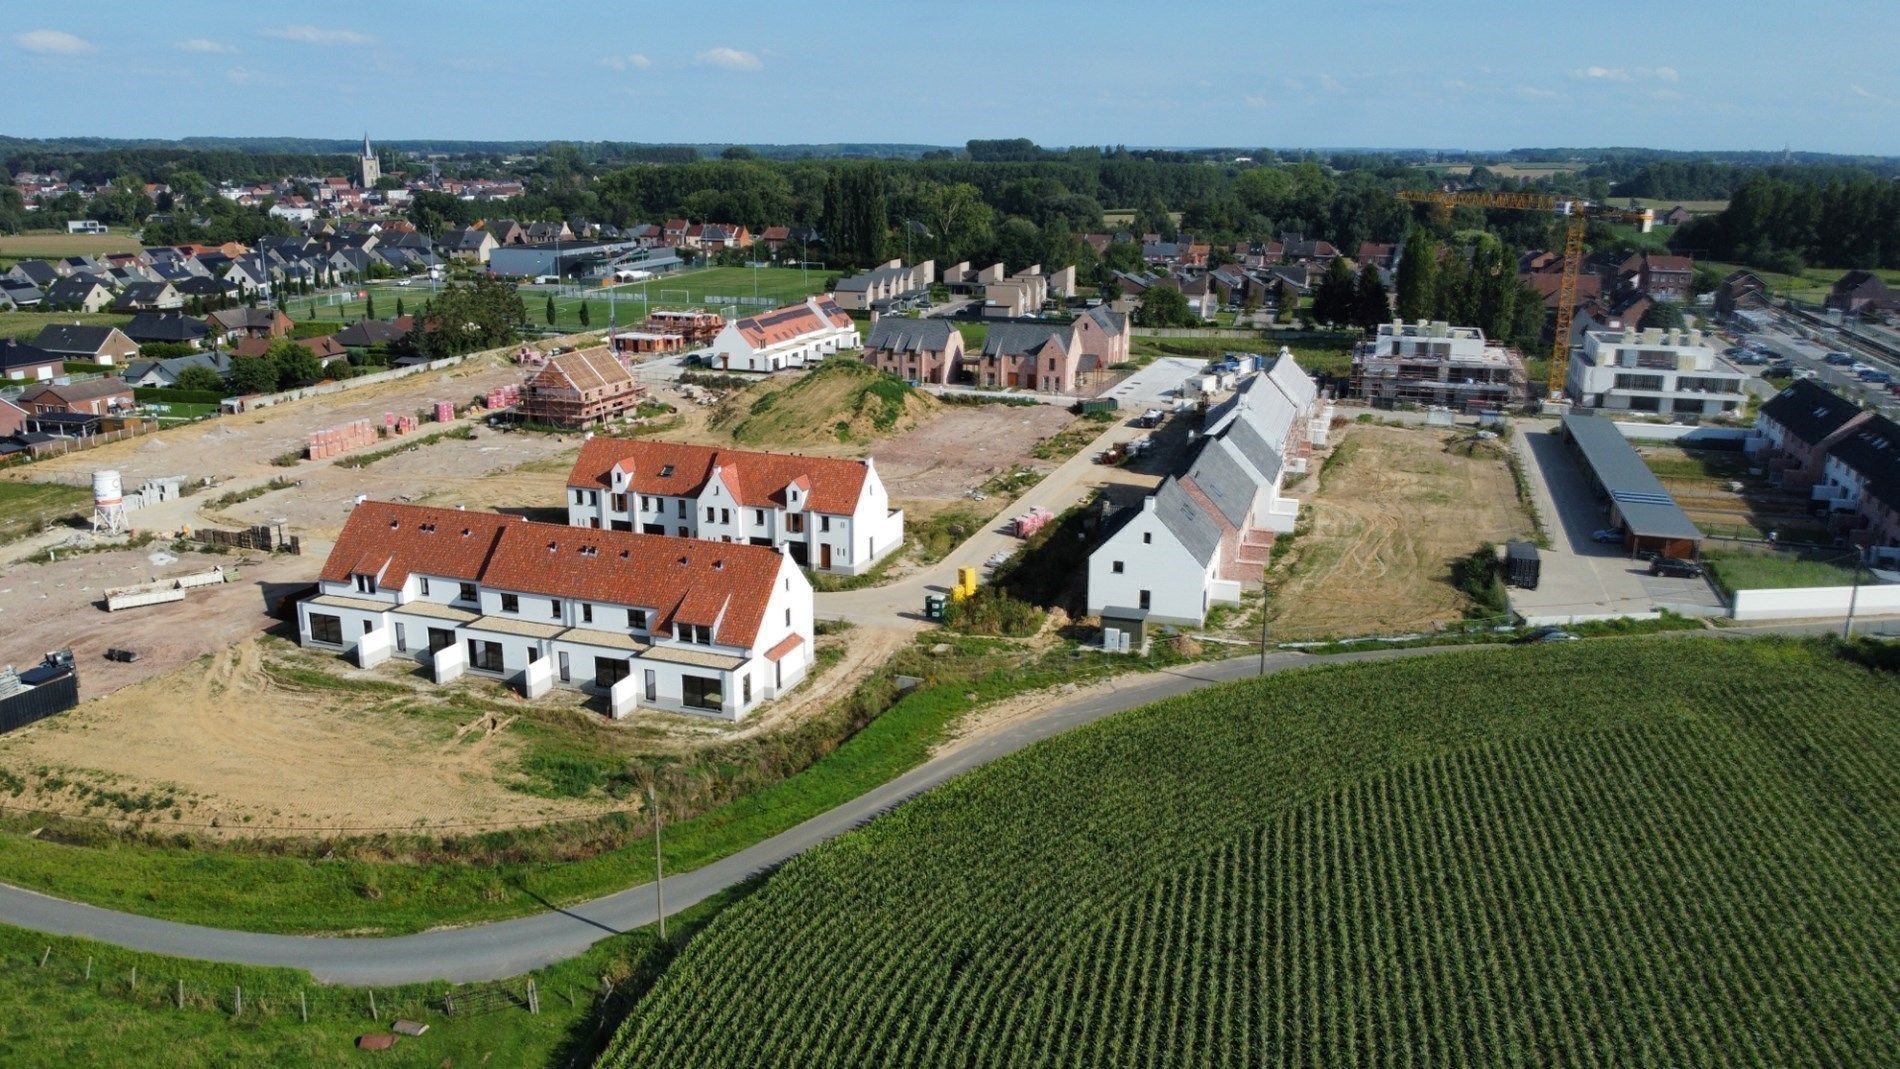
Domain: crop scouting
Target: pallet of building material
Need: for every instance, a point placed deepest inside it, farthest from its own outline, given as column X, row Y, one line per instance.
column 160, row 591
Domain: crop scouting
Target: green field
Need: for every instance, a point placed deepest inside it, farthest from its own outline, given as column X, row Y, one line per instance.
column 25, row 326
column 1617, row 852
column 691, row 289
column 26, row 507
column 50, row 244
column 1742, row 570
column 1331, row 354
column 1810, row 285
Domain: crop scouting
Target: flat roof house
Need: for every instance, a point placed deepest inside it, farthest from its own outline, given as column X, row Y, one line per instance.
column 646, row 621
column 1435, row 363
column 793, row 336
column 831, row 514
column 1664, row 372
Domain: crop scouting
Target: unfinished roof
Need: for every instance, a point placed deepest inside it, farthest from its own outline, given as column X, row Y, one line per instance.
column 1647, row 508
column 756, row 480
column 585, row 370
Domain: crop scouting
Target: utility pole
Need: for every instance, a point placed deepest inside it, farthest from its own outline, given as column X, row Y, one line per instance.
column 659, row 891
column 1853, row 597
column 1263, row 628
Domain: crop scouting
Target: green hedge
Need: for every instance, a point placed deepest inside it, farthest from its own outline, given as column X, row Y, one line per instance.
column 167, row 395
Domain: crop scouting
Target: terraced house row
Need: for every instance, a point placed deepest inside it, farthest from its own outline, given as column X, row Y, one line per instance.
column 642, row 620
column 1207, row 531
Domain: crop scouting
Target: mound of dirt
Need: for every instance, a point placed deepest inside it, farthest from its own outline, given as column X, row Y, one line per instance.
column 842, row 400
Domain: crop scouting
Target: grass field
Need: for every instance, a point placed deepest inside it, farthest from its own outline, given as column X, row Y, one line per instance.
column 841, row 400
column 691, row 289
column 48, row 244
column 1316, row 353
column 25, row 507
column 58, row 1015
column 1810, row 285
column 26, row 326
column 1618, row 852
column 1743, row 570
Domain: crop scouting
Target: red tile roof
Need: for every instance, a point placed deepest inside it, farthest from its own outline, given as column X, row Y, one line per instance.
column 792, row 321
column 757, row 480
column 723, row 585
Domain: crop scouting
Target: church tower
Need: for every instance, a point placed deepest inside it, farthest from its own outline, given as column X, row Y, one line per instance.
column 372, row 169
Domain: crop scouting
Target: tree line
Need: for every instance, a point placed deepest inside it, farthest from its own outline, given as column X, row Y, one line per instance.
column 1782, row 225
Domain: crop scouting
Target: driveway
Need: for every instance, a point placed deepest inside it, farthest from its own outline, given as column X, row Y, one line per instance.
column 1582, row 579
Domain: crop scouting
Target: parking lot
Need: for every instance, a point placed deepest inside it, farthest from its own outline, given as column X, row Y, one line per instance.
column 1582, row 579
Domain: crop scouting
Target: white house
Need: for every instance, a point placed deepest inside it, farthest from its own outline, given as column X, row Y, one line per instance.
column 1668, row 372
column 830, row 514
column 648, row 621
column 792, row 336
column 1209, row 529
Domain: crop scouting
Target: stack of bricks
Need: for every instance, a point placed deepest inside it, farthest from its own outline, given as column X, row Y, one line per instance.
column 335, row 441
column 444, row 411
column 504, row 396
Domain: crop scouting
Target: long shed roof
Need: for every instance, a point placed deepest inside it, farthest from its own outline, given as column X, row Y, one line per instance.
column 1649, row 509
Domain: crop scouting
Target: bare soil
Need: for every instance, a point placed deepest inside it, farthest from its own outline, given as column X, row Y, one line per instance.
column 1388, row 518
column 963, row 447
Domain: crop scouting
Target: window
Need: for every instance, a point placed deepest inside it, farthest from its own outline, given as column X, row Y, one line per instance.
column 709, row 513
column 620, row 502
column 534, row 654
column 402, row 640
column 368, row 626
column 587, row 613
column 1147, row 538
column 326, row 629
column 758, row 515
column 440, row 638
column 466, row 593
column 745, row 690
column 484, row 656
column 1144, row 599
column 682, row 508
column 365, row 584
column 702, row 692
column 554, row 608
column 561, row 662
column 510, row 603
column 725, row 515
column 681, row 531
column 1115, row 567
column 666, row 471
column 652, row 685
column 425, row 585
column 610, row 670
column 788, row 618
column 795, row 522
column 637, row 619
column 824, row 523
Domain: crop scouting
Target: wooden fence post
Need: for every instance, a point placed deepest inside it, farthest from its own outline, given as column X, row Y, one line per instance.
column 303, row 1005
column 237, row 1003
column 43, row 957
column 89, row 966
column 181, row 994
column 135, row 979
column 373, row 1015
column 534, row 998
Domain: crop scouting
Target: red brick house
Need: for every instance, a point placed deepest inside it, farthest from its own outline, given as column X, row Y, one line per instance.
column 96, row 397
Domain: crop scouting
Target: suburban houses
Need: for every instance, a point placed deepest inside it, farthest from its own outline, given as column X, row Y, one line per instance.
column 829, row 514
column 916, row 350
column 644, row 620
column 1846, row 457
column 790, row 337
column 86, row 344
column 885, row 285
column 1207, row 532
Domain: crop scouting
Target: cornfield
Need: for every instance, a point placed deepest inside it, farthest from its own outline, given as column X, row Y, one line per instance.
column 1633, row 851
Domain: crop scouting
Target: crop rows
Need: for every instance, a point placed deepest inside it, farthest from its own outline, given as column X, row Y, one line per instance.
column 1668, row 852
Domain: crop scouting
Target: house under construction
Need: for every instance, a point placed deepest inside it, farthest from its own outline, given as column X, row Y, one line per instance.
column 579, row 389
column 1435, row 363
column 697, row 328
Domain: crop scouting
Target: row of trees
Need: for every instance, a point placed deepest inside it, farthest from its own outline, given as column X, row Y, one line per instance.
column 1480, row 288
column 1784, row 225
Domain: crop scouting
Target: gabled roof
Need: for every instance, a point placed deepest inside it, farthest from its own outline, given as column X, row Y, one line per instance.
column 1190, row 524
column 1110, row 321
column 1293, row 381
column 720, row 584
column 1021, row 339
column 1809, row 411
column 902, row 334
column 792, row 322
column 165, row 326
column 1219, row 472
column 74, row 338
column 19, row 354
column 583, row 369
column 1872, row 450
column 756, row 480
column 367, row 332
column 69, row 392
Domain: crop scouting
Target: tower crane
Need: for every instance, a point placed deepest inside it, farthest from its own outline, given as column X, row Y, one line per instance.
column 1577, row 215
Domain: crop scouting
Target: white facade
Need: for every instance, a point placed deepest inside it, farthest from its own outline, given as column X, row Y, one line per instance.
column 746, row 345
column 1145, row 570
column 457, row 624
column 1666, row 372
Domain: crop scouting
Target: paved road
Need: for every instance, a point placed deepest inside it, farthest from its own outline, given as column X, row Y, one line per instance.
column 511, row 947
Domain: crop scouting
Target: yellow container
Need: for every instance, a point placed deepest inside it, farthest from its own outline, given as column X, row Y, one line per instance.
column 966, row 578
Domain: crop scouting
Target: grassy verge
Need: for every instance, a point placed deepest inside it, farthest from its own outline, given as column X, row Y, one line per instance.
column 364, row 460
column 126, row 1006
column 357, row 886
column 236, row 497
column 27, row 508
column 1735, row 570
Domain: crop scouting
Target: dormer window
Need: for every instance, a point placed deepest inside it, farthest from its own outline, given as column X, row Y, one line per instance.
column 365, row 584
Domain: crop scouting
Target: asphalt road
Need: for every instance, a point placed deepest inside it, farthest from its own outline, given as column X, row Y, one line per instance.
column 511, row 947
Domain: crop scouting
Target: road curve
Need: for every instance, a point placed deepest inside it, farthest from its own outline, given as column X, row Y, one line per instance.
column 510, row 947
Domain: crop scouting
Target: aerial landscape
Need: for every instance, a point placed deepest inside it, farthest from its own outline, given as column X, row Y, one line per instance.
column 603, row 537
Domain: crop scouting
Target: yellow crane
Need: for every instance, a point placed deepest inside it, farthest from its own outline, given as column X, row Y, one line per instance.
column 1577, row 214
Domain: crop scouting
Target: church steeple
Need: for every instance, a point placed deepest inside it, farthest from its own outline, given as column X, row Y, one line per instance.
column 369, row 167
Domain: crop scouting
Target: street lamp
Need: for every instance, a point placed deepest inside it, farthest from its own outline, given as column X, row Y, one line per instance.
column 1853, row 598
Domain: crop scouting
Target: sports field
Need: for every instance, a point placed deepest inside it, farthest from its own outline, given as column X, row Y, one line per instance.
column 717, row 288
column 48, row 244
column 1613, row 852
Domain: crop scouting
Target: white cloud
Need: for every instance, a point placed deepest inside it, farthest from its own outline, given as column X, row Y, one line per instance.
column 317, row 35
column 1330, row 83
column 241, row 75
column 205, row 44
column 1668, row 74
column 1603, row 74
column 633, row 61
column 1254, row 100
column 52, row 42
column 731, row 59
column 1664, row 95
column 1865, row 94
column 1531, row 92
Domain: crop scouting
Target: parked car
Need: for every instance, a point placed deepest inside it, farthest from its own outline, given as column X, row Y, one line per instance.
column 1546, row 634
column 1839, row 359
column 1675, row 568
column 1607, row 535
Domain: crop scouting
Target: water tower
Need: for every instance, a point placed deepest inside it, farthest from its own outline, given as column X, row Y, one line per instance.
column 108, row 503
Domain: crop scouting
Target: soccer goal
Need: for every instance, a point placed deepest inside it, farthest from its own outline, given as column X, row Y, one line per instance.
column 673, row 298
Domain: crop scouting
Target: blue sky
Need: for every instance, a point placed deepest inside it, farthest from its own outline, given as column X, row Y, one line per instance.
column 1744, row 74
